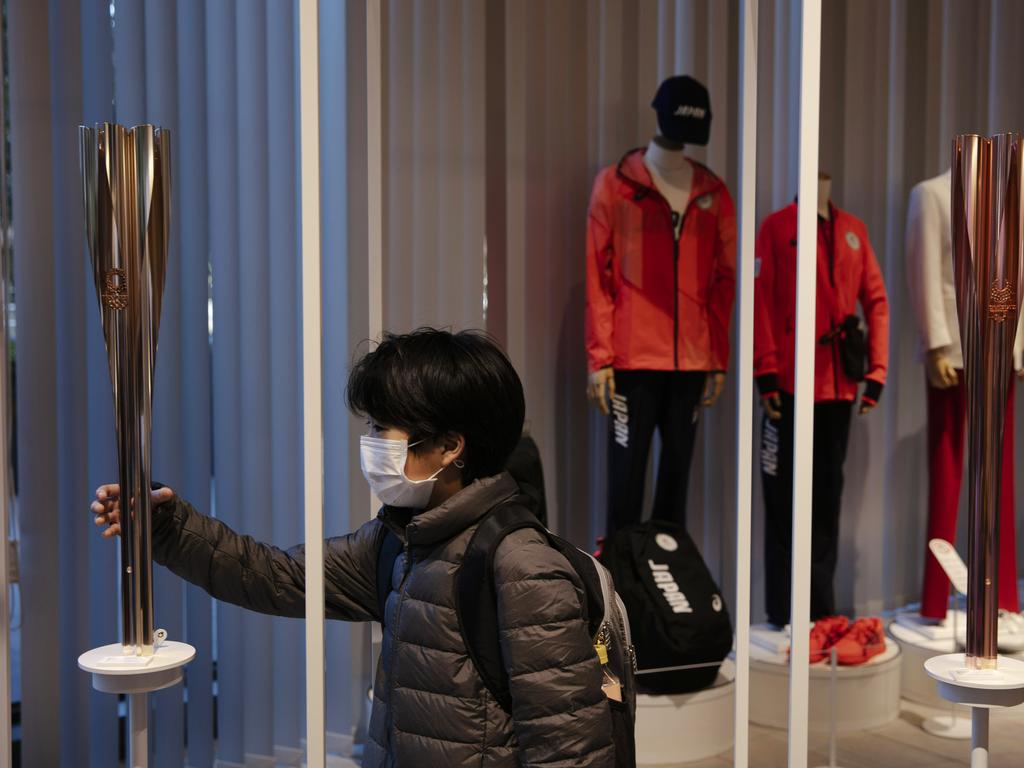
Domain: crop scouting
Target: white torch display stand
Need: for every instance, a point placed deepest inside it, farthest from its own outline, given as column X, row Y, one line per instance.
column 114, row 671
column 981, row 690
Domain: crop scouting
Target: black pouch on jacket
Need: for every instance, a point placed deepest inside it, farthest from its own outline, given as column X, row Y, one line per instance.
column 852, row 346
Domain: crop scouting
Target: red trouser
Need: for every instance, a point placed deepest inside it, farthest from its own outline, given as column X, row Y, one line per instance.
column 947, row 411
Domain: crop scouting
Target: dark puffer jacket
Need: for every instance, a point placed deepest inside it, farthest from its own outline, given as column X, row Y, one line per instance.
column 431, row 709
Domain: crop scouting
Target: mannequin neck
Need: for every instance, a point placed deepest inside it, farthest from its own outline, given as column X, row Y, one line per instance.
column 824, row 195
column 666, row 156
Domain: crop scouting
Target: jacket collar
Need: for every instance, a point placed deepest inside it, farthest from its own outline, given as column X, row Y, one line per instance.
column 440, row 523
column 834, row 211
column 632, row 171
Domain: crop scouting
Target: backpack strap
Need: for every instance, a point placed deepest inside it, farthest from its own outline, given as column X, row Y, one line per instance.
column 476, row 600
column 387, row 554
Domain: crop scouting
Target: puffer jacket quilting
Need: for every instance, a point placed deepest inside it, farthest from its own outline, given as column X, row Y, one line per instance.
column 431, row 708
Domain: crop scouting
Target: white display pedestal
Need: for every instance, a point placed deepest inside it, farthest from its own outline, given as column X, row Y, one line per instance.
column 982, row 690
column 916, row 684
column 867, row 696
column 115, row 672
column 678, row 729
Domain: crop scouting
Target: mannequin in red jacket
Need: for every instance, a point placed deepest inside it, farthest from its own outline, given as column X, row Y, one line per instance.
column 847, row 274
column 660, row 287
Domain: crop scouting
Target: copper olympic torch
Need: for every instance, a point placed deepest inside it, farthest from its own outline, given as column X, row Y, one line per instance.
column 988, row 264
column 127, row 193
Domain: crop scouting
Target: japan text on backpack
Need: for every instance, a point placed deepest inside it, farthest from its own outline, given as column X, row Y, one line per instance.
column 669, row 588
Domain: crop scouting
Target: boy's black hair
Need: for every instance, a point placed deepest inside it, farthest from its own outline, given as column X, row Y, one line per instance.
column 431, row 382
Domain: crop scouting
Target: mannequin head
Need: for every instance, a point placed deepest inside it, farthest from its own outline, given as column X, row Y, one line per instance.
column 824, row 193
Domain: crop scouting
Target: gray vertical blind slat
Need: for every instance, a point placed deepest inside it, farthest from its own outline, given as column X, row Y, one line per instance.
column 253, row 375
column 32, row 167
column 343, row 666
column 97, row 105
column 285, row 366
column 222, row 159
column 69, row 360
column 192, row 215
column 161, row 92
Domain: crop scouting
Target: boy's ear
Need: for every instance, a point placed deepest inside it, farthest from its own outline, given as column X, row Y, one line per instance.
column 454, row 443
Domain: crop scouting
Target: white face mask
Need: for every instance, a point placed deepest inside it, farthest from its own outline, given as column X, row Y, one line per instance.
column 383, row 463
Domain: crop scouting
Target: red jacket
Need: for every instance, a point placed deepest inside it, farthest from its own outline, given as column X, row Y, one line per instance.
column 853, row 276
column 655, row 303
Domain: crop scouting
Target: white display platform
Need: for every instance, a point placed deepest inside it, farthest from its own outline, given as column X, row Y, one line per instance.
column 674, row 730
column 114, row 672
column 867, row 696
column 916, row 684
column 927, row 630
column 1011, row 628
column 1001, row 687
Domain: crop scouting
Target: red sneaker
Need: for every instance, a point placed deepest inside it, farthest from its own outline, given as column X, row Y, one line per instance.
column 864, row 640
column 824, row 635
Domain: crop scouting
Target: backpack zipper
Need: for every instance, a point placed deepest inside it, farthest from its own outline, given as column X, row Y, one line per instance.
column 614, row 605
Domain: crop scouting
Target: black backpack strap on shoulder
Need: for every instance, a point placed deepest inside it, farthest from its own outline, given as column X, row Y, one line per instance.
column 586, row 569
column 476, row 602
column 390, row 549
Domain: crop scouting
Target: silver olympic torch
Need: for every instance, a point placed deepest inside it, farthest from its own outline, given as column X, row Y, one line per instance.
column 988, row 264
column 127, row 191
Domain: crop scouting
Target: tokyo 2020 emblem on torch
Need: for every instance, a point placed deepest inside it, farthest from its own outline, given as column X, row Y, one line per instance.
column 988, row 265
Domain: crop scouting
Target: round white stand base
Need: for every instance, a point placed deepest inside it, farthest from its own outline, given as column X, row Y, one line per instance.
column 867, row 696
column 681, row 728
column 1000, row 687
column 948, row 726
column 982, row 689
column 113, row 671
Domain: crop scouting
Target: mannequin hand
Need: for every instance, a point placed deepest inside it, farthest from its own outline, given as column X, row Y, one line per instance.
column 941, row 373
column 713, row 388
column 601, row 388
column 772, row 405
column 107, row 507
column 866, row 407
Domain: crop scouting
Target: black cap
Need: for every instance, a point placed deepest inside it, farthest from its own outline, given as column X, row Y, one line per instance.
column 684, row 110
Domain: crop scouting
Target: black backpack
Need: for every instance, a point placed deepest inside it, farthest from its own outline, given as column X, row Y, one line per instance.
column 476, row 608
column 676, row 610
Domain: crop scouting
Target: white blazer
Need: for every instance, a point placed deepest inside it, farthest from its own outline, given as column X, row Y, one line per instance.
column 929, row 249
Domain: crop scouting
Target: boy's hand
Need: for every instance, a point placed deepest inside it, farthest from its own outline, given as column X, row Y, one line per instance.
column 107, row 507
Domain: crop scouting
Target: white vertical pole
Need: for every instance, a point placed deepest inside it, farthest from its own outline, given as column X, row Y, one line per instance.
column 979, row 737
column 312, row 396
column 374, row 174
column 803, row 442
column 138, row 728
column 375, row 213
column 745, row 373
